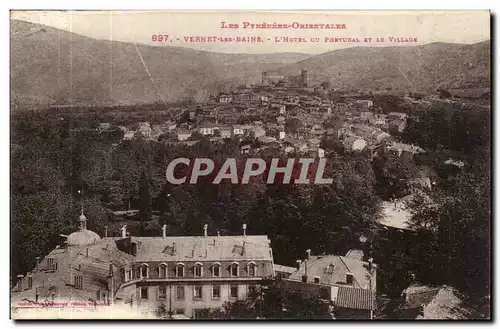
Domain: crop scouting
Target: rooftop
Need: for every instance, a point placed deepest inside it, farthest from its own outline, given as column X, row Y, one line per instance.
column 332, row 270
column 200, row 248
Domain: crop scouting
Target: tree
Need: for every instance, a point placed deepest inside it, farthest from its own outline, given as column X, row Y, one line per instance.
column 145, row 209
column 274, row 303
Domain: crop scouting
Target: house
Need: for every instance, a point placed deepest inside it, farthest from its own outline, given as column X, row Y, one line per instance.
column 378, row 120
column 104, row 126
column 245, row 149
column 380, row 136
column 317, row 130
column 258, row 131
column 208, row 129
column 405, row 150
column 457, row 163
column 352, row 144
column 224, row 99
column 347, row 282
column 264, row 98
column 301, row 146
column 281, row 271
column 238, row 130
column 314, row 142
column 279, row 108
column 171, row 126
column 183, row 135
column 422, row 302
column 397, row 125
column 129, row 135
column 397, row 116
column 136, row 274
column 316, row 152
column 266, row 140
column 363, row 104
column 226, row 131
column 144, row 129
column 366, row 115
column 281, row 120
column 70, row 272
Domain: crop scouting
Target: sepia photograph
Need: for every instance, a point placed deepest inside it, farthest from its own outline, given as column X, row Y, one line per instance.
column 250, row 165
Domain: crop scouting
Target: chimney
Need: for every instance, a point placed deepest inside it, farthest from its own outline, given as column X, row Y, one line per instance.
column 20, row 282
column 37, row 263
column 164, row 230
column 349, row 278
column 124, row 231
column 404, row 296
column 304, row 277
column 218, row 233
column 245, row 229
column 298, row 262
column 308, row 251
column 173, row 245
column 205, row 228
column 370, row 263
column 106, row 231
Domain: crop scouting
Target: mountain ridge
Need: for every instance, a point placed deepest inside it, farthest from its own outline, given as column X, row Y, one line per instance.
column 53, row 66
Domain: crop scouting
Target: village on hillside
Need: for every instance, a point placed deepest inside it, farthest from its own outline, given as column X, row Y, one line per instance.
column 235, row 274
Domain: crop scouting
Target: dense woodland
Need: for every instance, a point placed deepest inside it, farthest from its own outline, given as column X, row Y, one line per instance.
column 54, row 169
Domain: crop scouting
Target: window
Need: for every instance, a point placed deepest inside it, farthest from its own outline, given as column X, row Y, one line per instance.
column 98, row 295
column 421, row 310
column 251, row 269
column 197, row 292
column 198, row 270
column 128, row 275
column 316, row 279
column 234, row 269
column 162, row 271
column 216, row 292
column 179, row 293
column 233, row 293
column 179, row 270
column 111, row 270
column 50, row 263
column 144, row 292
column 216, row 270
column 349, row 278
column 252, row 290
column 143, row 271
column 78, row 281
column 162, row 292
column 30, row 282
column 179, row 311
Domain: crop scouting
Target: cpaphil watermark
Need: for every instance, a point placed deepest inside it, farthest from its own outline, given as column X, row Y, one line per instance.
column 296, row 171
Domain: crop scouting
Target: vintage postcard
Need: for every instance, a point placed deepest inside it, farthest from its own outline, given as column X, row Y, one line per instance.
column 250, row 165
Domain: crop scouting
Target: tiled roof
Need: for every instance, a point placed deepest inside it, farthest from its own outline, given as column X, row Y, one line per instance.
column 360, row 299
column 332, row 270
column 419, row 295
column 284, row 269
column 211, row 248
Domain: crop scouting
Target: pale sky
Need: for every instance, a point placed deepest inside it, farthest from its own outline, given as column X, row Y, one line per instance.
column 139, row 26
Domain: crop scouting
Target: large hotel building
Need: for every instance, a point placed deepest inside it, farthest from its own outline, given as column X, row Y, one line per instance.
column 181, row 275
